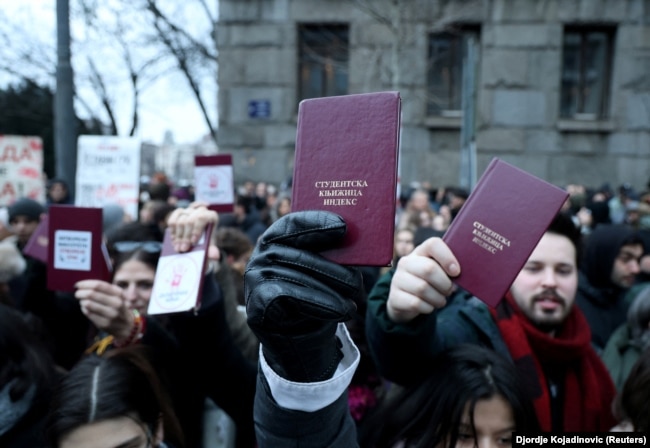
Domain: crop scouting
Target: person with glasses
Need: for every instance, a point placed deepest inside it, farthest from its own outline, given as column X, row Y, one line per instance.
column 111, row 401
column 180, row 341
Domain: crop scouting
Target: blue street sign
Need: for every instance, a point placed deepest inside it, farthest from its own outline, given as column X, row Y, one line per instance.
column 259, row 109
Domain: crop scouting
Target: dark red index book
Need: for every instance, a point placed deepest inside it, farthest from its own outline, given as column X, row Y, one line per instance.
column 346, row 163
column 36, row 247
column 499, row 226
column 75, row 247
column 214, row 182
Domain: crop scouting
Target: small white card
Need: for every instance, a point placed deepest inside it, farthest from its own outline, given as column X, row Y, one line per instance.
column 178, row 283
column 72, row 250
column 214, row 184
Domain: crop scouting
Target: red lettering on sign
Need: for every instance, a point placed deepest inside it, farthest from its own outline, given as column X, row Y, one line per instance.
column 32, row 173
column 10, row 153
column 8, row 189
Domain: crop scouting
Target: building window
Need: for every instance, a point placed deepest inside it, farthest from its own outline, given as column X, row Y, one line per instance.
column 323, row 60
column 586, row 72
column 445, row 71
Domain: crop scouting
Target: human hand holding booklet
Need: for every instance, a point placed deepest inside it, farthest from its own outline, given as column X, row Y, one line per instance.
column 75, row 247
column 499, row 226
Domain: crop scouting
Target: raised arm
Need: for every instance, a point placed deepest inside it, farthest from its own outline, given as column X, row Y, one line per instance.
column 296, row 300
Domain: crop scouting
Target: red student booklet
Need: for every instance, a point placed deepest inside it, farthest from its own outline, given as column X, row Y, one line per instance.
column 76, row 250
column 346, row 163
column 36, row 247
column 499, row 226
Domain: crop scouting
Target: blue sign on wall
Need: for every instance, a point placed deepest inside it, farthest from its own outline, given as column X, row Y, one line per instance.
column 259, row 109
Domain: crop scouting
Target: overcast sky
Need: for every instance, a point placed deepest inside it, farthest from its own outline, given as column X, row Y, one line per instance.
column 167, row 105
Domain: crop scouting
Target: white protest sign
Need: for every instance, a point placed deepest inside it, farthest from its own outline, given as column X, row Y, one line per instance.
column 213, row 181
column 108, row 172
column 21, row 169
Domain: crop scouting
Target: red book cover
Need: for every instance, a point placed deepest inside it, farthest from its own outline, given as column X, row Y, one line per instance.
column 214, row 182
column 178, row 283
column 36, row 247
column 499, row 226
column 346, row 163
column 76, row 249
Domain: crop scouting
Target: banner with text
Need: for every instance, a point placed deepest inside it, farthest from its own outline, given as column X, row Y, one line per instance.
column 108, row 172
column 21, row 169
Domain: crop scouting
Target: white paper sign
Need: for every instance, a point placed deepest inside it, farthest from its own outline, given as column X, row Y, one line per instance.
column 72, row 250
column 21, row 169
column 108, row 172
column 213, row 184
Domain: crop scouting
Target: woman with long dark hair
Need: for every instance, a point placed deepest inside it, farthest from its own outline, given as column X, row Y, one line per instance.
column 113, row 400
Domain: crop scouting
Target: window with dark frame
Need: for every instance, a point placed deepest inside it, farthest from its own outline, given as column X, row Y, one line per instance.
column 445, row 70
column 587, row 55
column 323, row 60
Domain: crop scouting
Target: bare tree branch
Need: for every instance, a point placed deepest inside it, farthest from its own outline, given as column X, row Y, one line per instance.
column 98, row 82
column 182, row 55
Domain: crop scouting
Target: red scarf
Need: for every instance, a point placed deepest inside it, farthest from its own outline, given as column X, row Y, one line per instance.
column 588, row 388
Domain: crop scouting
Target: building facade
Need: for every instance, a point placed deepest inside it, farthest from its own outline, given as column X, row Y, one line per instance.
column 560, row 88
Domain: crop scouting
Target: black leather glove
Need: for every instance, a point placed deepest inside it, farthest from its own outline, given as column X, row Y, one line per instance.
column 295, row 297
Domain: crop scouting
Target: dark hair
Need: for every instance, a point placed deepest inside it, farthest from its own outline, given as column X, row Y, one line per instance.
column 133, row 232
column 563, row 225
column 638, row 317
column 141, row 254
column 122, row 383
column 633, row 402
column 130, row 231
column 161, row 212
column 159, row 191
column 24, row 358
column 233, row 241
column 429, row 414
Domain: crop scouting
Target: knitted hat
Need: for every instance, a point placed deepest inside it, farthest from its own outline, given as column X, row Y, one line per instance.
column 26, row 207
column 12, row 264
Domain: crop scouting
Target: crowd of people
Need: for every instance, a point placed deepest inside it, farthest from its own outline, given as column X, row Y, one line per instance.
column 300, row 351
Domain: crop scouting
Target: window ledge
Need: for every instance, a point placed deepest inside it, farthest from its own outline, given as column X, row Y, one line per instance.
column 576, row 125
column 440, row 122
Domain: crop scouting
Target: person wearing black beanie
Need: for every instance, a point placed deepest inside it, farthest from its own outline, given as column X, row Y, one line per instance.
column 24, row 216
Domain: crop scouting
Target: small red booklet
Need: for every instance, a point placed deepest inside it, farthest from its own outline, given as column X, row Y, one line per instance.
column 76, row 250
column 36, row 247
column 214, row 183
column 346, row 163
column 178, row 283
column 499, row 226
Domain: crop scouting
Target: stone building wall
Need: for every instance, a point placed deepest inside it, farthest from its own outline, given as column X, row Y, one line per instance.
column 517, row 106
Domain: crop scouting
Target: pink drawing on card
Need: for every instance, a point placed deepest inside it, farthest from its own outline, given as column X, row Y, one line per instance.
column 178, row 270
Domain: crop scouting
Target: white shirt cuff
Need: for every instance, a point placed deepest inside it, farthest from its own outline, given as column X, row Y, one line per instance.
column 310, row 397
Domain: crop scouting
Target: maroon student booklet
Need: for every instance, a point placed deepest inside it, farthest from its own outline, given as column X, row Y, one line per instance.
column 499, row 226
column 36, row 247
column 346, row 163
column 75, row 247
